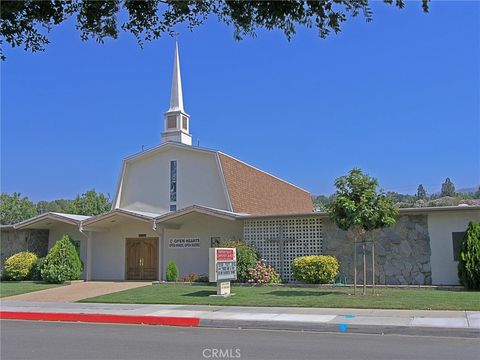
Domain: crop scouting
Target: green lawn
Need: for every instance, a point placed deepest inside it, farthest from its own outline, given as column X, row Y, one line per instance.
column 386, row 298
column 8, row 288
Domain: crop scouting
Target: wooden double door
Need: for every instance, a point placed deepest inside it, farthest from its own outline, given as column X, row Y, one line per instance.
column 141, row 259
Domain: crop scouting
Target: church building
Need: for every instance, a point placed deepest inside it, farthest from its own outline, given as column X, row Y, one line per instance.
column 176, row 200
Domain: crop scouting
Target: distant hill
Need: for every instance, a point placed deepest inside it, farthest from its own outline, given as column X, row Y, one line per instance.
column 467, row 190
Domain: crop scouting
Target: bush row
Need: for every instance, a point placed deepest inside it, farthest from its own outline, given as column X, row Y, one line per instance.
column 252, row 269
column 61, row 264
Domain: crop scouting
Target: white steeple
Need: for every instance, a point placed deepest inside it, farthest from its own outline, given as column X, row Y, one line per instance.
column 176, row 120
column 176, row 98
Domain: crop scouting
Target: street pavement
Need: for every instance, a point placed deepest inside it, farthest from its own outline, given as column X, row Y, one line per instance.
column 65, row 341
column 444, row 323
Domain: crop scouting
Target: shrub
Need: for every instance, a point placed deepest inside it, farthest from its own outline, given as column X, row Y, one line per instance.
column 262, row 273
column 20, row 265
column 192, row 277
column 315, row 269
column 247, row 257
column 172, row 271
column 62, row 262
column 36, row 272
column 469, row 259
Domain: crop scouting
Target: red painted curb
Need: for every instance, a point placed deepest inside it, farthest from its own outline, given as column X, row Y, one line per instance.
column 102, row 318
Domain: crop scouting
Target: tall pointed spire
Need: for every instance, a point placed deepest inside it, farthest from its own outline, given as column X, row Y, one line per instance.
column 176, row 98
column 176, row 120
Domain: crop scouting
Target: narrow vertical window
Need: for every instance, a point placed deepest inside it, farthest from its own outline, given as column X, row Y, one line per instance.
column 173, row 181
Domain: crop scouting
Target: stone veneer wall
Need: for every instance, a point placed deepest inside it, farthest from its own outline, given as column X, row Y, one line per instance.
column 14, row 241
column 402, row 252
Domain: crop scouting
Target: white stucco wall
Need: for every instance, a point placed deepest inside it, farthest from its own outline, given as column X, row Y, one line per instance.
column 441, row 224
column 108, row 248
column 202, row 227
column 146, row 181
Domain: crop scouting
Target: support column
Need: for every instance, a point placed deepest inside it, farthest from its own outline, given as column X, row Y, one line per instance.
column 88, row 270
column 162, row 256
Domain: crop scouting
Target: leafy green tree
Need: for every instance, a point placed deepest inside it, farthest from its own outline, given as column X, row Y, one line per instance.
column 22, row 21
column 14, row 209
column 62, row 262
column 89, row 203
column 59, row 205
column 476, row 194
column 421, row 193
column 469, row 260
column 359, row 206
column 448, row 189
column 320, row 202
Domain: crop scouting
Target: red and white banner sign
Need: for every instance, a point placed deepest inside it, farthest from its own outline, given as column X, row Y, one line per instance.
column 225, row 254
column 222, row 264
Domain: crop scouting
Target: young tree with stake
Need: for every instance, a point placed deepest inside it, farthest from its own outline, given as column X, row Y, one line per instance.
column 358, row 206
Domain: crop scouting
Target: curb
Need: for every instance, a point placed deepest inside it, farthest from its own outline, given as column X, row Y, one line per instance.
column 340, row 328
column 102, row 318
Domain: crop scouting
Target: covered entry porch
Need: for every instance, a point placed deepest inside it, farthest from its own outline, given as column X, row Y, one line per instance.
column 122, row 245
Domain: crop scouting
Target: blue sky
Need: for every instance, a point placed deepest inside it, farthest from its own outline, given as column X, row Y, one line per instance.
column 397, row 97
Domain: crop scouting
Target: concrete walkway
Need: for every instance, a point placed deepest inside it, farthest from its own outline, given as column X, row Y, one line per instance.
column 77, row 291
column 270, row 317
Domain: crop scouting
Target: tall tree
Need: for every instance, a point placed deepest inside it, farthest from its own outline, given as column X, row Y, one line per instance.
column 448, row 189
column 22, row 21
column 89, row 203
column 469, row 257
column 14, row 209
column 476, row 195
column 421, row 193
column 359, row 206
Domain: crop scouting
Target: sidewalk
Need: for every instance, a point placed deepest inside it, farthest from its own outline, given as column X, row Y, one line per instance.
column 287, row 318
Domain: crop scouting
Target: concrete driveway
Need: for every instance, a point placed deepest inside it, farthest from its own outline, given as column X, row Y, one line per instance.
column 78, row 291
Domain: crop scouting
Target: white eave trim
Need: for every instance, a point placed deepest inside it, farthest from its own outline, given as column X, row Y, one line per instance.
column 163, row 146
column 115, row 212
column 228, row 215
column 44, row 216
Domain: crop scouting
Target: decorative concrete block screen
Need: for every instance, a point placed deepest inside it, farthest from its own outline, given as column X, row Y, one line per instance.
column 279, row 241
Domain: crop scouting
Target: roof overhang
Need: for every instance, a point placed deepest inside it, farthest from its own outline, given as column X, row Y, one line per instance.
column 116, row 215
column 47, row 220
column 180, row 216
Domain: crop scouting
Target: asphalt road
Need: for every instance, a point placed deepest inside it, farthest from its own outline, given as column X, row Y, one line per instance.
column 50, row 340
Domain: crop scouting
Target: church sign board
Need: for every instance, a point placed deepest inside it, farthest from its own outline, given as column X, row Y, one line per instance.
column 222, row 268
column 184, row 243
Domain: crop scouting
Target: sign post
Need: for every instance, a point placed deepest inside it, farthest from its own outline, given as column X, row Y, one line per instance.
column 222, row 268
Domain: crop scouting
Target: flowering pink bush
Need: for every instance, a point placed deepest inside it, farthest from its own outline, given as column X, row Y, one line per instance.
column 262, row 273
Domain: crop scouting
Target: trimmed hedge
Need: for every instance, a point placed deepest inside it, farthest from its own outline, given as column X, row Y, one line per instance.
column 62, row 262
column 315, row 269
column 469, row 259
column 172, row 271
column 19, row 266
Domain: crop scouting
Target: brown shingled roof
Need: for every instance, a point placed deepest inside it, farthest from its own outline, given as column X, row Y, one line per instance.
column 255, row 192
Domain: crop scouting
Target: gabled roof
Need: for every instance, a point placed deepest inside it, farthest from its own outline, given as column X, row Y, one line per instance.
column 71, row 219
column 248, row 189
column 134, row 214
column 198, row 209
